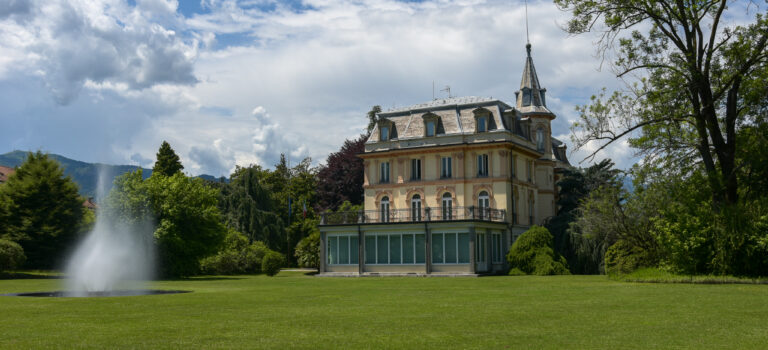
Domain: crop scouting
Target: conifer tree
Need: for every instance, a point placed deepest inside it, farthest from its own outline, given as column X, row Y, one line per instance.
column 42, row 210
column 168, row 162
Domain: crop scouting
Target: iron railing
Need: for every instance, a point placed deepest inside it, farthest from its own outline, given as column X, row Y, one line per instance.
column 410, row 215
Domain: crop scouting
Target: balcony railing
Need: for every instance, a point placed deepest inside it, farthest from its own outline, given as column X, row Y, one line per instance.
column 409, row 215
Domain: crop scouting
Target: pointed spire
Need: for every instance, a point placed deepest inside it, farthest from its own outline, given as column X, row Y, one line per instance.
column 531, row 96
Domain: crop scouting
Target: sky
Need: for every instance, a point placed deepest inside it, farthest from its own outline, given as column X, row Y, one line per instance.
column 231, row 83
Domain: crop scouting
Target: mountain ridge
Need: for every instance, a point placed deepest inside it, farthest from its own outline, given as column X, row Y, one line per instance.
column 85, row 174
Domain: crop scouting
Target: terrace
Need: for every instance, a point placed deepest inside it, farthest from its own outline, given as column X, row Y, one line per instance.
column 427, row 214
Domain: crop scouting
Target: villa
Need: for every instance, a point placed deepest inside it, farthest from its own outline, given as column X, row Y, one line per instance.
column 449, row 185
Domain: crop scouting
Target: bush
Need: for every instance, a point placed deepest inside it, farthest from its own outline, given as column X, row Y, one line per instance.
column 532, row 253
column 623, row 258
column 517, row 272
column 308, row 251
column 11, row 255
column 237, row 257
column 272, row 263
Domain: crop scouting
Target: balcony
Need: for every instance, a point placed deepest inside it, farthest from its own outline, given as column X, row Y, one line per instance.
column 431, row 214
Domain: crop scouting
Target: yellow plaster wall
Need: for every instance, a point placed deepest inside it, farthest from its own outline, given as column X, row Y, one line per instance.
column 464, row 182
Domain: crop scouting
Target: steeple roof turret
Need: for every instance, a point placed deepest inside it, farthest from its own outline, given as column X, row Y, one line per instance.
column 531, row 98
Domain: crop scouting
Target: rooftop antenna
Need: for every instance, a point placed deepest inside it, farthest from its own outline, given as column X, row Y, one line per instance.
column 448, row 90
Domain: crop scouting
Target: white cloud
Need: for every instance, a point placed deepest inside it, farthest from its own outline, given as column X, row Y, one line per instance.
column 70, row 43
column 293, row 81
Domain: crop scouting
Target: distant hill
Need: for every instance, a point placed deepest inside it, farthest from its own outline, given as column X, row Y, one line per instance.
column 86, row 175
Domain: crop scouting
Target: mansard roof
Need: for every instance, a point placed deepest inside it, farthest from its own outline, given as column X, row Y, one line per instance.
column 441, row 103
column 456, row 116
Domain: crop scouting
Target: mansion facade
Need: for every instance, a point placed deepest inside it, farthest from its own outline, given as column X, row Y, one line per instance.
column 449, row 184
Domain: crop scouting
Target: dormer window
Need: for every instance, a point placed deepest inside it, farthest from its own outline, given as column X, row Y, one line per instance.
column 484, row 120
column 431, row 124
column 526, row 96
column 482, row 124
column 384, row 133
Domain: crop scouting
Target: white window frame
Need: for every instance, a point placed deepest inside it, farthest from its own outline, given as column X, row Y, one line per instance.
column 416, row 208
column 446, row 170
column 384, row 173
column 415, row 169
column 442, row 234
column 433, row 125
column 480, row 247
column 482, row 165
column 484, row 204
column 497, row 251
column 447, row 214
column 384, row 209
column 347, row 236
column 389, row 255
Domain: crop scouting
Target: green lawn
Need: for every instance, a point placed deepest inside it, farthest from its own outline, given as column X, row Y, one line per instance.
column 297, row 311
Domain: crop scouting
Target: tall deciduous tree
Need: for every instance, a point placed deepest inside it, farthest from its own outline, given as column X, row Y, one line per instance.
column 700, row 81
column 248, row 206
column 42, row 210
column 574, row 188
column 188, row 221
column 168, row 162
column 341, row 178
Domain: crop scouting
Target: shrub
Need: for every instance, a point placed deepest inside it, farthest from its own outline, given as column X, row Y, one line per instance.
column 516, row 272
column 272, row 263
column 308, row 251
column 622, row 258
column 532, row 253
column 237, row 257
column 11, row 255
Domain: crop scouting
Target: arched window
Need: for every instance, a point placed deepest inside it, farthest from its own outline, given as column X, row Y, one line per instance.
column 540, row 139
column 484, row 203
column 447, row 206
column 416, row 207
column 384, row 207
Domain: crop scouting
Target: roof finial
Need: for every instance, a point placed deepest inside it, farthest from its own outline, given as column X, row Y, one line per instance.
column 527, row 38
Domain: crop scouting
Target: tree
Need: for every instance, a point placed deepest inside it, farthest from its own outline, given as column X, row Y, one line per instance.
column 168, row 162
column 609, row 214
column 341, row 178
column 269, row 206
column 248, row 206
column 699, row 82
column 573, row 189
column 42, row 210
column 188, row 223
column 372, row 118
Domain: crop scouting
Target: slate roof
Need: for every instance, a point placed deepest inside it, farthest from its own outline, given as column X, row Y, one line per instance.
column 456, row 116
column 529, row 84
column 441, row 102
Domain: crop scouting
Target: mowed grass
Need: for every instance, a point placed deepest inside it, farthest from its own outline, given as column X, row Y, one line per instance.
column 292, row 310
